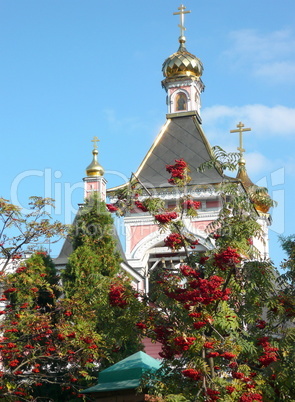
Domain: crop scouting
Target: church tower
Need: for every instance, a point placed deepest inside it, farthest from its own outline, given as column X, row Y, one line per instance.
column 181, row 136
column 182, row 71
column 94, row 180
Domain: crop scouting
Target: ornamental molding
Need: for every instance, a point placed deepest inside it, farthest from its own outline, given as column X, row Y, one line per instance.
column 148, row 220
column 141, row 220
column 207, row 214
column 94, row 179
column 180, row 84
column 168, row 193
column 149, row 242
column 178, row 91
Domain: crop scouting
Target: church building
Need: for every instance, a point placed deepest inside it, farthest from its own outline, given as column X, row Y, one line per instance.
column 181, row 137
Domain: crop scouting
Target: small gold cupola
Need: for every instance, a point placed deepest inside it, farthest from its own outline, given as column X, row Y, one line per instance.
column 243, row 175
column 94, row 169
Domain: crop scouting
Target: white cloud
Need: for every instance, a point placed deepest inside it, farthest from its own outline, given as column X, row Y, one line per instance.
column 278, row 71
column 258, row 164
column 264, row 120
column 269, row 55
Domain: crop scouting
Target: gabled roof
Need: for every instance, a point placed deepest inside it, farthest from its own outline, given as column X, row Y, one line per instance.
column 67, row 250
column 126, row 374
column 181, row 137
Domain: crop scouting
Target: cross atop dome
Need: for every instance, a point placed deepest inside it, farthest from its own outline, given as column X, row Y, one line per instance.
column 95, row 140
column 240, row 130
column 181, row 13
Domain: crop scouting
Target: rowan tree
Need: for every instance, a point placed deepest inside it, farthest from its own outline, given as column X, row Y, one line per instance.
column 224, row 318
column 22, row 233
column 58, row 329
column 94, row 275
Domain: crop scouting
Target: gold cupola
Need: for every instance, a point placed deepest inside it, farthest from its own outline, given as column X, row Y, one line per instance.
column 94, row 169
column 182, row 63
column 243, row 175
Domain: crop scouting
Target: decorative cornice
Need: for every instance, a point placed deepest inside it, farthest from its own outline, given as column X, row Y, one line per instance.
column 146, row 220
column 177, row 83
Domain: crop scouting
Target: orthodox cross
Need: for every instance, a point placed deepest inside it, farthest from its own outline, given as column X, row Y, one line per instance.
column 95, row 140
column 240, row 130
column 181, row 12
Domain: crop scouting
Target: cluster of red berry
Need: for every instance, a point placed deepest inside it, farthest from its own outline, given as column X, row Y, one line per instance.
column 117, row 296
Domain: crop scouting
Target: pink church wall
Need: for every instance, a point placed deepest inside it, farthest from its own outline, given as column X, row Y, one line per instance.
column 202, row 225
column 93, row 186
column 137, row 233
column 152, row 348
column 172, row 90
column 213, row 204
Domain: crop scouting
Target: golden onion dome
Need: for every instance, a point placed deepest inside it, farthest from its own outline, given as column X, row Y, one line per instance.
column 94, row 169
column 258, row 195
column 261, row 199
column 182, row 63
column 243, row 175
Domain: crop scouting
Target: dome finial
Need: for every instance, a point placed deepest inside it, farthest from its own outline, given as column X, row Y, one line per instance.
column 95, row 140
column 181, row 13
column 94, row 169
column 241, row 130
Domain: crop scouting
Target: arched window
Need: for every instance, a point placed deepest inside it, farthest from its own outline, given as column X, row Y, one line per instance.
column 181, row 101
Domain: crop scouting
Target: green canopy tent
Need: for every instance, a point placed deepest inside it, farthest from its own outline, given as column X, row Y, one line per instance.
column 118, row 383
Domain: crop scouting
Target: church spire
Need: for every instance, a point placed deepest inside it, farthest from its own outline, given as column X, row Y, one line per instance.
column 94, row 181
column 258, row 195
column 182, row 71
column 242, row 172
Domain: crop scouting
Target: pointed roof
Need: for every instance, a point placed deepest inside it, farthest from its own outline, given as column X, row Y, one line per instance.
column 181, row 137
column 126, row 374
column 67, row 249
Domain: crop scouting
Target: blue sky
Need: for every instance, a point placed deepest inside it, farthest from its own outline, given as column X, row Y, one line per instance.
column 73, row 69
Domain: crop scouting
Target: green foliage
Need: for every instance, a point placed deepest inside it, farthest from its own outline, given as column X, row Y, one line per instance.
column 23, row 233
column 154, row 205
column 56, row 333
column 259, row 195
column 176, row 398
column 226, row 320
column 93, row 267
column 221, row 160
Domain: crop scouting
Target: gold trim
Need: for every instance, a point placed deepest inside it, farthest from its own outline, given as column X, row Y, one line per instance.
column 183, row 114
column 157, row 140
column 155, row 143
